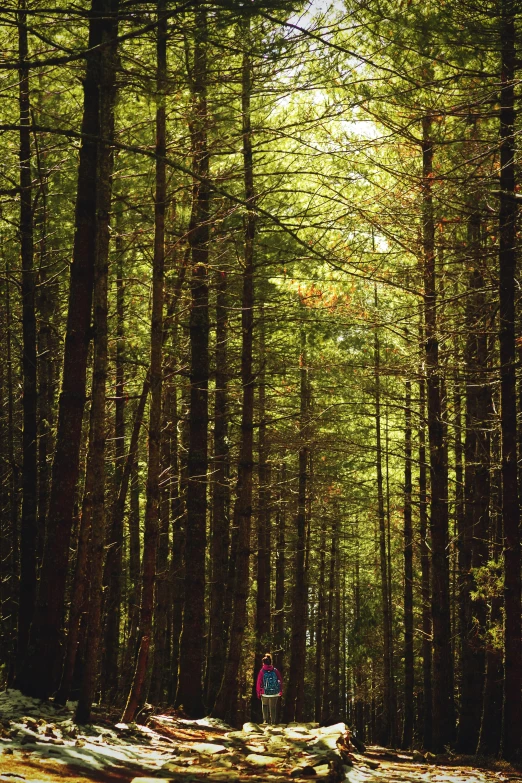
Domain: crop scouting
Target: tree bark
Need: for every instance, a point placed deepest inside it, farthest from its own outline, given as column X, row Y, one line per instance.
column 491, row 724
column 474, row 546
column 425, row 574
column 191, row 653
column 335, row 699
column 163, row 597
column 443, row 708
column 133, row 598
column 319, row 634
column 344, row 682
column 278, row 624
column 47, row 303
column 512, row 708
column 28, row 532
column 5, row 533
column 40, row 672
column 325, row 696
column 459, row 516
column 80, row 589
column 150, row 542
column 220, row 538
column 360, row 684
column 409, row 712
column 96, row 457
column 12, row 491
column 163, row 572
column 262, row 622
column 114, row 560
column 224, row 705
column 388, row 719
column 177, row 514
column 179, row 519
column 294, row 701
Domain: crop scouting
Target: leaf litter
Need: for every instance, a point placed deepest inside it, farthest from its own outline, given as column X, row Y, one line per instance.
column 39, row 741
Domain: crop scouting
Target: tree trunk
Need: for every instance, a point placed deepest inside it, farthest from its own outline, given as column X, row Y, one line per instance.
column 459, row 516
column 114, row 560
column 262, row 623
column 150, row 543
column 191, row 654
column 96, row 457
column 169, row 593
column 47, row 303
column 425, row 573
column 294, row 701
column 443, row 708
column 133, row 599
column 335, row 699
column 223, row 707
column 373, row 703
column 40, row 672
column 179, row 519
column 325, row 698
column 360, row 685
column 28, row 532
column 491, row 725
column 79, row 592
column 407, row 730
column 344, row 682
column 231, row 581
column 388, row 734
column 12, row 492
column 220, row 537
column 278, row 625
column 163, row 581
column 512, row 709
column 393, row 695
column 5, row 533
column 319, row 634
column 177, row 513
column 474, row 547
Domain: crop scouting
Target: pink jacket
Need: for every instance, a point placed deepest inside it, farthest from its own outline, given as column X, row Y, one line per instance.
column 259, row 684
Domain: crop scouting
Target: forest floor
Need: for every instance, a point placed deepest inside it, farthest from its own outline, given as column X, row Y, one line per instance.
column 41, row 742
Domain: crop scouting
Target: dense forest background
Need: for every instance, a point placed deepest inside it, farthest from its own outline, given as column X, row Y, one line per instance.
column 261, row 337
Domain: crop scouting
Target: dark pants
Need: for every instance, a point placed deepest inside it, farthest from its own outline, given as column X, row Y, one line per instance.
column 270, row 705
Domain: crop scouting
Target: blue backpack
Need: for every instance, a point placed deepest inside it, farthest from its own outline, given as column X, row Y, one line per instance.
column 271, row 685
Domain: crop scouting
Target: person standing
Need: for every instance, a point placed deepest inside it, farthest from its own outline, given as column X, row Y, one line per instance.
column 269, row 688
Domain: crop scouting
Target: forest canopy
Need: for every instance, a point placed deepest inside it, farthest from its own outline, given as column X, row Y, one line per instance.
column 261, row 335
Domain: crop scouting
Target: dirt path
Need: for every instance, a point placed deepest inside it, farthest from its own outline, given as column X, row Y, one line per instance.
column 400, row 768
column 32, row 768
